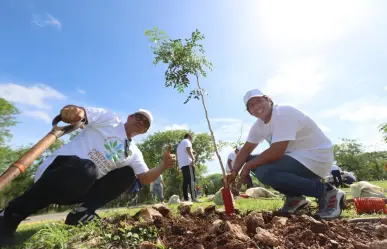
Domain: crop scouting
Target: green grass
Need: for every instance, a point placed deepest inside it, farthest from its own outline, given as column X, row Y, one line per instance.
column 57, row 235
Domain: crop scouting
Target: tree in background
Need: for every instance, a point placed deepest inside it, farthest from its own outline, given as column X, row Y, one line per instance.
column 367, row 166
column 185, row 59
column 8, row 155
column 8, row 114
column 383, row 130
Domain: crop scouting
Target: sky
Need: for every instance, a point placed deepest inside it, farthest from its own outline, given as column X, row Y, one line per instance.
column 326, row 58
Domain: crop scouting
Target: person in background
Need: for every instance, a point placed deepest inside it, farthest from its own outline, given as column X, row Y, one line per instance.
column 300, row 154
column 186, row 163
column 348, row 177
column 158, row 188
column 205, row 190
column 335, row 171
column 231, row 159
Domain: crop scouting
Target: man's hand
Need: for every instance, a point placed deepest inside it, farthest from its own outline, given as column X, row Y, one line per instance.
column 193, row 164
column 245, row 173
column 230, row 178
column 72, row 114
column 169, row 159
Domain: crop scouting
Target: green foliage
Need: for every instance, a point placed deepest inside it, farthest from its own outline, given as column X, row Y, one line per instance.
column 367, row 166
column 154, row 146
column 213, row 183
column 130, row 237
column 7, row 119
column 184, row 58
column 52, row 236
column 383, row 130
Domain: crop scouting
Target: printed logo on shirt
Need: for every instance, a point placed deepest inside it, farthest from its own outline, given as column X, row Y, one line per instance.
column 114, row 149
column 114, row 152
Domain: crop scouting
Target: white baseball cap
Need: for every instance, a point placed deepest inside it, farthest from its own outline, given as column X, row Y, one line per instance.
column 252, row 93
column 147, row 114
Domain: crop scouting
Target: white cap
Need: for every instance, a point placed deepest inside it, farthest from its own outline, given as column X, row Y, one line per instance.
column 239, row 148
column 252, row 93
column 147, row 114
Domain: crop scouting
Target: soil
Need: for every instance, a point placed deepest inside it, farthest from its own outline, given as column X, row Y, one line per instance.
column 214, row 230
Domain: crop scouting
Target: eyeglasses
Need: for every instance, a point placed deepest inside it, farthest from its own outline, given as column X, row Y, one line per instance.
column 140, row 117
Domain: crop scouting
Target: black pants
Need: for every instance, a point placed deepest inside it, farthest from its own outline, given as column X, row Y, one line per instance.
column 338, row 181
column 71, row 180
column 187, row 182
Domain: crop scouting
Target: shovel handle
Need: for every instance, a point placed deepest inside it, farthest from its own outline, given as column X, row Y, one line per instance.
column 32, row 154
column 59, row 131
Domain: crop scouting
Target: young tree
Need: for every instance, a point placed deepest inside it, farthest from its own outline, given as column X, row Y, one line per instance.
column 185, row 59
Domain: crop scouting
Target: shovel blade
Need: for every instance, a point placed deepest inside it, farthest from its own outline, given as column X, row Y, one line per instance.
column 227, row 199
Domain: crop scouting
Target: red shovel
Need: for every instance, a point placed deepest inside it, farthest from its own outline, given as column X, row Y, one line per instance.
column 227, row 199
column 29, row 157
column 226, row 194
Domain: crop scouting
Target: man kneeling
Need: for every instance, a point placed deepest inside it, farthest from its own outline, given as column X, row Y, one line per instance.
column 300, row 154
column 96, row 167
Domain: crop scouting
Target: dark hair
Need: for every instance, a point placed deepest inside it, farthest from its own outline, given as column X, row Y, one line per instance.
column 187, row 136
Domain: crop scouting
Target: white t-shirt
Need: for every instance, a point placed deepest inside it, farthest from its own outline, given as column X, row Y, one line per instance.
column 231, row 157
column 103, row 142
column 182, row 155
column 335, row 167
column 308, row 144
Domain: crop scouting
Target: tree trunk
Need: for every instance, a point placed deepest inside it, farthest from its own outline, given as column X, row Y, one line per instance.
column 209, row 125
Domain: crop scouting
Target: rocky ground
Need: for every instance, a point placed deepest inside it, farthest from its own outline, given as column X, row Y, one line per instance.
column 211, row 228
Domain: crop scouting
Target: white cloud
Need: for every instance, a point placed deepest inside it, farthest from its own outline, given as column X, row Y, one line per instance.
column 81, row 91
column 308, row 22
column 385, row 88
column 361, row 110
column 34, row 96
column 46, row 20
column 40, row 115
column 176, row 127
column 297, row 81
column 369, row 136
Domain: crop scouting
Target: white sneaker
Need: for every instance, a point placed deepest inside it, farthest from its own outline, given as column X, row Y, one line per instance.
column 331, row 204
column 294, row 204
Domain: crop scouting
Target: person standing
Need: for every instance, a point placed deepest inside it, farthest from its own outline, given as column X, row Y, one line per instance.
column 336, row 175
column 186, row 163
column 300, row 154
column 158, row 188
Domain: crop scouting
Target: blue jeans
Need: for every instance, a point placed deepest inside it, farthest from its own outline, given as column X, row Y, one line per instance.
column 290, row 177
column 158, row 192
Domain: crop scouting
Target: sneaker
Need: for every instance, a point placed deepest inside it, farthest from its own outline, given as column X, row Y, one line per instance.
column 294, row 204
column 331, row 204
column 80, row 215
column 8, row 226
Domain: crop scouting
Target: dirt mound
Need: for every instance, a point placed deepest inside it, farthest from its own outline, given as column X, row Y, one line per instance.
column 213, row 229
